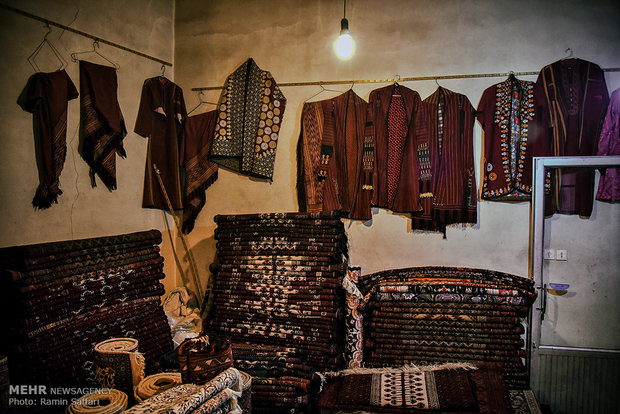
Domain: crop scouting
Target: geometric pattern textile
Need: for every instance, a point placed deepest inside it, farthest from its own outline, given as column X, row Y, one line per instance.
column 278, row 297
column 412, row 389
column 429, row 315
column 250, row 113
column 65, row 297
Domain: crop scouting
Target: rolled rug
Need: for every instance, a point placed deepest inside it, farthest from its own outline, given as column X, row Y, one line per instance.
column 155, row 384
column 225, row 388
column 106, row 401
column 119, row 364
column 245, row 401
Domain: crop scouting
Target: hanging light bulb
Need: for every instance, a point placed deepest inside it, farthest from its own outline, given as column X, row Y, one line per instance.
column 344, row 46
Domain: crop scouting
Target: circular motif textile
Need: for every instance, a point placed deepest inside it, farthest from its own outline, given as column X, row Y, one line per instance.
column 250, row 102
column 109, row 401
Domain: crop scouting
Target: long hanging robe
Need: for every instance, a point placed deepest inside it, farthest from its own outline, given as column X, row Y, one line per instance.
column 161, row 116
column 609, row 144
column 251, row 108
column 200, row 171
column 314, row 150
column 577, row 98
column 392, row 128
column 447, row 179
column 46, row 96
column 330, row 156
column 102, row 127
column 514, row 118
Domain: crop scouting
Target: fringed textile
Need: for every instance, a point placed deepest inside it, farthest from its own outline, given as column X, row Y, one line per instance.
column 200, row 171
column 46, row 96
column 440, row 314
column 102, row 127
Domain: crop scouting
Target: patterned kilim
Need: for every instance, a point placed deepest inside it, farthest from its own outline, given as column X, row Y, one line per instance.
column 219, row 394
column 278, row 296
column 66, row 297
column 428, row 315
column 416, row 390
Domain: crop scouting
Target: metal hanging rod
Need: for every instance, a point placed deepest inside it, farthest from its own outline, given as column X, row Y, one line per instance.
column 81, row 33
column 399, row 79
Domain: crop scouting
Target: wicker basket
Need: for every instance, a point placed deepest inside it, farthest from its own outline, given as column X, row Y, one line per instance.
column 202, row 358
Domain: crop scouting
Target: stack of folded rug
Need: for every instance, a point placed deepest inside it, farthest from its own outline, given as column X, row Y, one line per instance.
column 281, row 377
column 278, row 296
column 426, row 315
column 63, row 298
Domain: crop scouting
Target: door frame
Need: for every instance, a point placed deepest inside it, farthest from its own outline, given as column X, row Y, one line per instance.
column 537, row 223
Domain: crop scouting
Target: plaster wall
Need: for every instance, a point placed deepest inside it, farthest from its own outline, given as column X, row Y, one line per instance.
column 293, row 40
column 82, row 211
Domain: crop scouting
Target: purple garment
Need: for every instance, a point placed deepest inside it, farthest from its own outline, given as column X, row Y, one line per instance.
column 609, row 144
column 577, row 98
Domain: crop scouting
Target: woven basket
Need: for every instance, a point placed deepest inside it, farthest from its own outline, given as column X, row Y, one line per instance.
column 202, row 358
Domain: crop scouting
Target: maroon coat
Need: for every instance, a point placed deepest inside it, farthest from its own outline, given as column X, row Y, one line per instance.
column 161, row 116
column 393, row 124
column 513, row 135
column 46, row 96
column 577, row 98
column 330, row 152
column 446, row 159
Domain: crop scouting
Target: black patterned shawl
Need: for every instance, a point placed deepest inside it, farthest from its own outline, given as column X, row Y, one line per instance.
column 250, row 115
column 102, row 127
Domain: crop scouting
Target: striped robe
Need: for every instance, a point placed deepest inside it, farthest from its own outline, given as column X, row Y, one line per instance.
column 577, row 99
column 330, row 156
column 393, row 125
column 446, row 163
